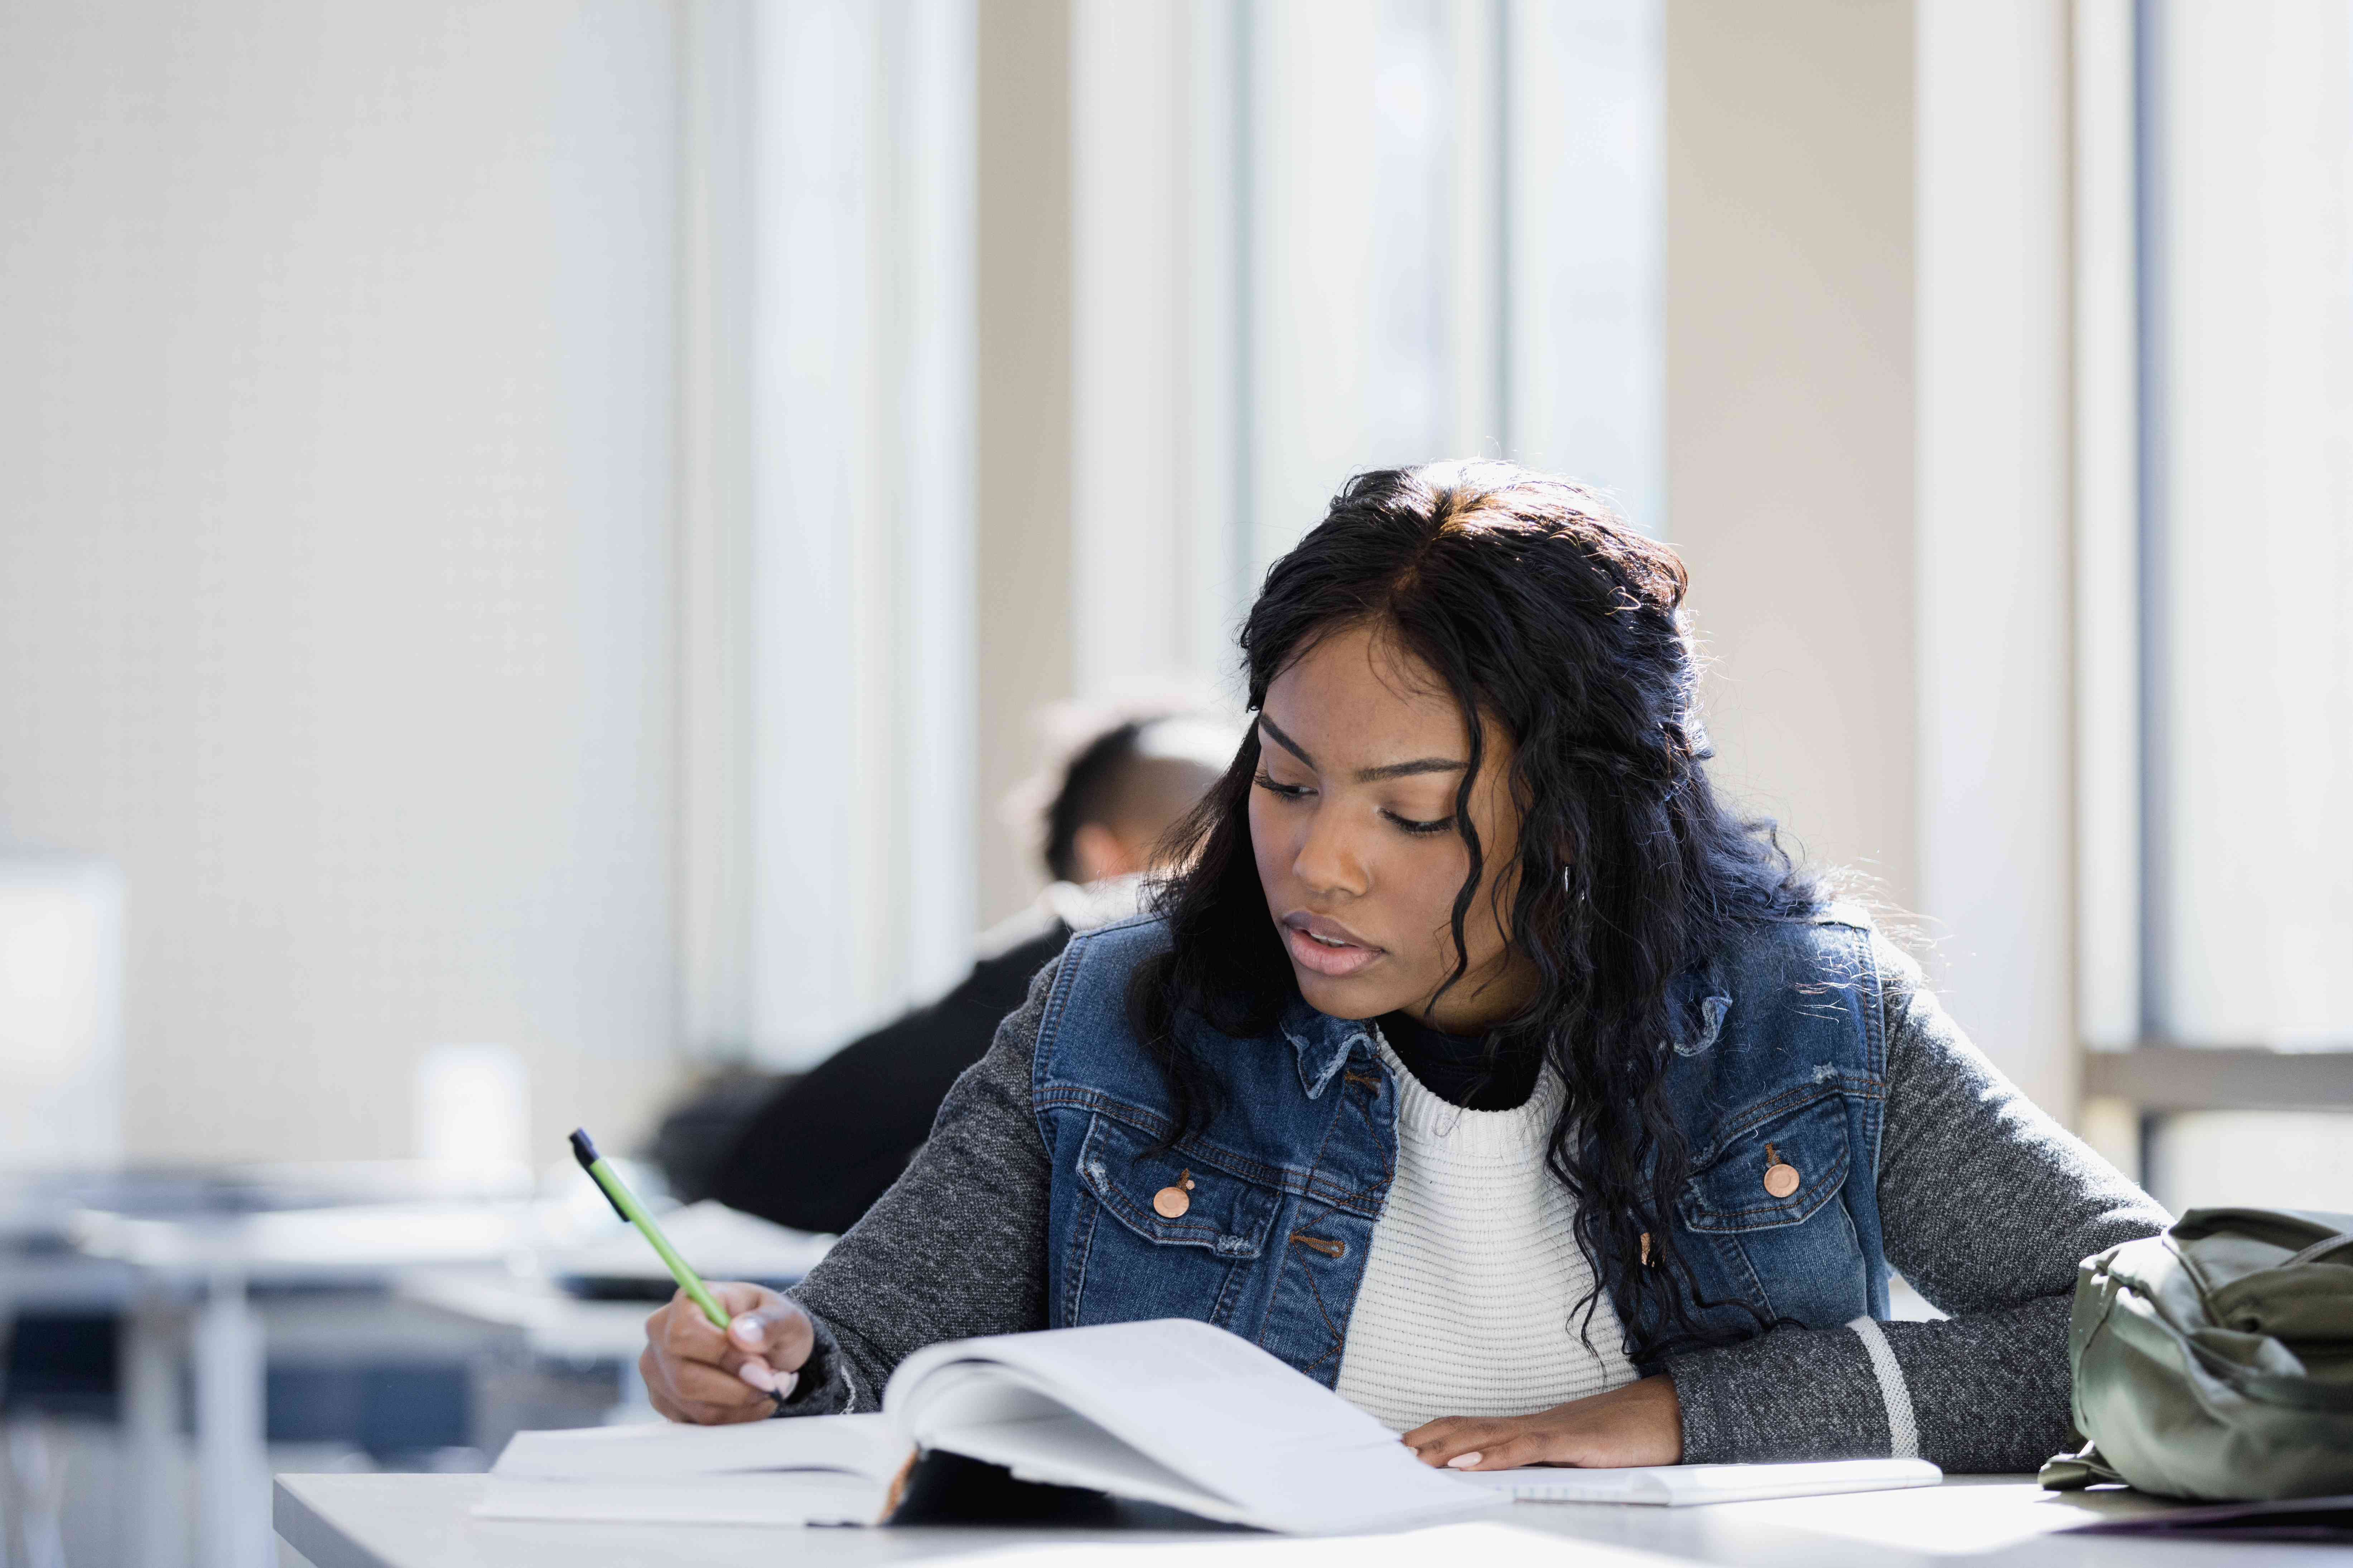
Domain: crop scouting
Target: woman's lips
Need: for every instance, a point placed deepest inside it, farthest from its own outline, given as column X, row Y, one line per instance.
column 1338, row 959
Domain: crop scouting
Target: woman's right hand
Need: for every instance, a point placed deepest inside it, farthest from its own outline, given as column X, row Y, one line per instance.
column 695, row 1373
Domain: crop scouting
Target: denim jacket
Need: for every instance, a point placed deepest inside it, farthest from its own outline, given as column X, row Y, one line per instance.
column 1787, row 1067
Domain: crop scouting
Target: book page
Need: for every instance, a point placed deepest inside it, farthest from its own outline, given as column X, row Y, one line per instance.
column 1218, row 1411
column 868, row 1445
column 782, row 1497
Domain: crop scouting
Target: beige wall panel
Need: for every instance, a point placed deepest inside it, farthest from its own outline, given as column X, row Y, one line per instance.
column 1023, row 437
column 1790, row 407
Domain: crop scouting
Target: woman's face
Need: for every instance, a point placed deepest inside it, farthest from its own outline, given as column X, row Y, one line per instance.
column 1361, row 752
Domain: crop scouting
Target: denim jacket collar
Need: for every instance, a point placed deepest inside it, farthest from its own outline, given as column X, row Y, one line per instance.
column 1324, row 1043
column 1714, row 1000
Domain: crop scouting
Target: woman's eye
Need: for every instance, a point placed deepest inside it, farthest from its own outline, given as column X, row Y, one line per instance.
column 1419, row 829
column 1281, row 791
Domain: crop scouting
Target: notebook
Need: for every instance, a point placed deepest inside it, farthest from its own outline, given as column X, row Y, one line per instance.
column 1171, row 1412
column 1677, row 1485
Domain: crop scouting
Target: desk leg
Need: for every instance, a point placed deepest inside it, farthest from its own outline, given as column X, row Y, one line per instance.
column 232, row 1459
column 151, row 1421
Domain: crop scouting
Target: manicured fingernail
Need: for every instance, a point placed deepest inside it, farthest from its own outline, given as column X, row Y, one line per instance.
column 748, row 1330
column 1464, row 1461
column 785, row 1383
column 759, row 1374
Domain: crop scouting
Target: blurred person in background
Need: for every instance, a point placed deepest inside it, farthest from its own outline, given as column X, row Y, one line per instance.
column 826, row 1144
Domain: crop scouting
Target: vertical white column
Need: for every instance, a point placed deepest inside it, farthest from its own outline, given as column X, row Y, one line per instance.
column 818, row 667
column 1218, row 407
column 1353, row 352
column 1993, row 537
column 933, row 108
column 1313, row 237
column 1478, row 273
column 716, row 880
column 1129, row 343
column 860, row 505
column 1586, row 316
column 1155, row 193
column 2106, row 499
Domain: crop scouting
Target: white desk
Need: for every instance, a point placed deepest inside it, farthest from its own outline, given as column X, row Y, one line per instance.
column 422, row 1521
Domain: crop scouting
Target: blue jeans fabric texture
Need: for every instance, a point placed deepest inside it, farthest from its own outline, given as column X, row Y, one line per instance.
column 1785, row 1065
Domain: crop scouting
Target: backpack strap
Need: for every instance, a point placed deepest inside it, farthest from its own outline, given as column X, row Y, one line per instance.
column 2320, row 1250
column 2074, row 1472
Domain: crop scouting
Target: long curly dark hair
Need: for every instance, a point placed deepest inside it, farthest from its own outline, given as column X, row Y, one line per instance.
column 1537, row 606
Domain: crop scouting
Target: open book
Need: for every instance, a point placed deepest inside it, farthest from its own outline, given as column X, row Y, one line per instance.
column 1171, row 1412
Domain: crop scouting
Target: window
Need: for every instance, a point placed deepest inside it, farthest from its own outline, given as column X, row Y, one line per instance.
column 2227, row 961
column 1314, row 238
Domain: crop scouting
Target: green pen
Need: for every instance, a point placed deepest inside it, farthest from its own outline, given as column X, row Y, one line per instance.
column 625, row 1204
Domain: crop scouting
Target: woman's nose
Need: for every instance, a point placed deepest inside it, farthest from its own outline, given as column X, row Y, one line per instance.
column 1327, row 862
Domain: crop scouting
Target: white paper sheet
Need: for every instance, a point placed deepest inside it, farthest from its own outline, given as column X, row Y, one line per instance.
column 782, row 1497
column 652, row 1450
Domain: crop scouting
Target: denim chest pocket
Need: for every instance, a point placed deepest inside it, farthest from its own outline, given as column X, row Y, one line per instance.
column 1766, row 1205
column 1132, row 1257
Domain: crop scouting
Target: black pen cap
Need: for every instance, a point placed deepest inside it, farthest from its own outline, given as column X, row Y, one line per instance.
column 585, row 1150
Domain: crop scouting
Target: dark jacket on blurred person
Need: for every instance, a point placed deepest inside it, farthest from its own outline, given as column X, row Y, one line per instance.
column 819, row 1153
column 826, row 1145
column 829, row 1143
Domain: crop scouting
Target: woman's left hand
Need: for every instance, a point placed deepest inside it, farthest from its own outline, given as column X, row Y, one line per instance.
column 1640, row 1424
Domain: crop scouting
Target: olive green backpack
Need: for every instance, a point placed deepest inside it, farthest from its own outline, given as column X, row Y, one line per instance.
column 2216, row 1361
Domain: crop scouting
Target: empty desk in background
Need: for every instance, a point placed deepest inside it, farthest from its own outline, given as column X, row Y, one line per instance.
column 623, row 1282
column 422, row 1521
column 210, row 1261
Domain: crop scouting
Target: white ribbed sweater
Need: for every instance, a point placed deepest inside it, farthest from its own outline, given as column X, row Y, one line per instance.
column 1465, row 1308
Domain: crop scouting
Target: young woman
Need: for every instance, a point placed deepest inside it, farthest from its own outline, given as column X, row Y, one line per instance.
column 1483, row 1067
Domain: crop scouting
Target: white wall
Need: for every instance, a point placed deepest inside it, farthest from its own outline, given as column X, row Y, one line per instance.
column 334, row 566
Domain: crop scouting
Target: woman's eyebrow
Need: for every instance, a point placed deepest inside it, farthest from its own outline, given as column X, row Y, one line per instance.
column 1401, row 770
column 1274, row 732
column 1364, row 776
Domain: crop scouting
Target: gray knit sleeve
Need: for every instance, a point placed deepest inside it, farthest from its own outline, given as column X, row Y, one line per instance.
column 956, row 1249
column 1985, row 1205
